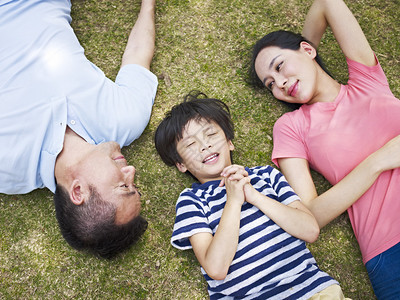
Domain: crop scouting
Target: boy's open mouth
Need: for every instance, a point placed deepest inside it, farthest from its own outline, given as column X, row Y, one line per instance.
column 210, row 158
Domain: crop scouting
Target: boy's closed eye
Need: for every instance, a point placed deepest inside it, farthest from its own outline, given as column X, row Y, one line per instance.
column 190, row 143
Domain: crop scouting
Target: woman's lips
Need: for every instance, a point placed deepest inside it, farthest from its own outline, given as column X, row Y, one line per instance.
column 293, row 89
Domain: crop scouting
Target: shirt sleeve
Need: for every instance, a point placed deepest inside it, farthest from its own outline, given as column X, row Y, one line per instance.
column 112, row 111
column 137, row 88
column 190, row 219
column 288, row 140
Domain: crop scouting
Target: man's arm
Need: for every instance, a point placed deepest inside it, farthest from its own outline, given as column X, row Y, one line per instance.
column 141, row 42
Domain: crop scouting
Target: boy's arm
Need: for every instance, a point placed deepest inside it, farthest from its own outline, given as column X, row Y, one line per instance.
column 215, row 253
column 294, row 218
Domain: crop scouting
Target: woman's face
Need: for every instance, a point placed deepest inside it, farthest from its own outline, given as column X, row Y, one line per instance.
column 291, row 75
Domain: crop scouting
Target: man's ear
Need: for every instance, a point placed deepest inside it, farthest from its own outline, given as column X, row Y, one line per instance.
column 181, row 167
column 309, row 49
column 78, row 193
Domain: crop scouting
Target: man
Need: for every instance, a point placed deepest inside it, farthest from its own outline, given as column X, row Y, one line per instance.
column 62, row 122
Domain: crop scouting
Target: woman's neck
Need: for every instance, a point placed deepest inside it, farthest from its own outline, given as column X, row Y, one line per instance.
column 327, row 88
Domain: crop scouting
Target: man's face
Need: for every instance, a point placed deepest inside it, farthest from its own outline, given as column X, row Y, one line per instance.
column 106, row 169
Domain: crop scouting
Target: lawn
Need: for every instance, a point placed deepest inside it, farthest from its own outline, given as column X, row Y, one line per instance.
column 204, row 45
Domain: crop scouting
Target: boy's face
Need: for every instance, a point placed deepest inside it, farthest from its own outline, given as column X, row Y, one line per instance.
column 204, row 150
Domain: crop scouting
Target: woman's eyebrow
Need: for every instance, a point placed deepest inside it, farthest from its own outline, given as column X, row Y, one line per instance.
column 271, row 64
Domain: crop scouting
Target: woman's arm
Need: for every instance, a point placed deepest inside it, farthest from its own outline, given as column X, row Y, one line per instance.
column 294, row 218
column 341, row 196
column 215, row 253
column 347, row 31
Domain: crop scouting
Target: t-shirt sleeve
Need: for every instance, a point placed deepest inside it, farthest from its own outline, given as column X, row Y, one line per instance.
column 287, row 139
column 367, row 77
column 286, row 194
column 190, row 219
column 271, row 183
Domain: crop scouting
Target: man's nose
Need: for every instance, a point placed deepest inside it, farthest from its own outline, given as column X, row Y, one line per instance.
column 129, row 172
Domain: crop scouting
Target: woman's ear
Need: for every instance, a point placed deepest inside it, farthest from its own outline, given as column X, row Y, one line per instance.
column 181, row 167
column 309, row 49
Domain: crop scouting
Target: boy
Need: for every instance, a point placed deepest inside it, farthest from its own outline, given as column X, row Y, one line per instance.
column 246, row 225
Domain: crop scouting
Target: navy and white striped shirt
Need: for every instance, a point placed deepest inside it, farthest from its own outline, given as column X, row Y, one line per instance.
column 269, row 263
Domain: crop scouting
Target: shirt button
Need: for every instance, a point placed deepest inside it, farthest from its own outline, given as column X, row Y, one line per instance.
column 73, row 122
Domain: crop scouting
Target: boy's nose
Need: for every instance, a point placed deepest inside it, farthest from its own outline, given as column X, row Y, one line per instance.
column 205, row 147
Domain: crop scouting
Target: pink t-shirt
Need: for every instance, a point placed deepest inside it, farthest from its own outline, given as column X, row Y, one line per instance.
column 334, row 137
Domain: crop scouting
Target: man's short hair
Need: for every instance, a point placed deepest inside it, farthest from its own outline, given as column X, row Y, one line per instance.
column 91, row 225
column 195, row 106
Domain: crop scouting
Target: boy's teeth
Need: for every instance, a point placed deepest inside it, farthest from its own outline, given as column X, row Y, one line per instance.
column 210, row 157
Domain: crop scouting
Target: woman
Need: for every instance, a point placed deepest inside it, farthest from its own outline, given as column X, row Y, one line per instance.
column 331, row 132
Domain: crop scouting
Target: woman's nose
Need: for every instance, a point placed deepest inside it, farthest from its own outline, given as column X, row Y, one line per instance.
column 281, row 82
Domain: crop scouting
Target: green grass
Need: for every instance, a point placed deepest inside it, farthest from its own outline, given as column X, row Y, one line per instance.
column 201, row 44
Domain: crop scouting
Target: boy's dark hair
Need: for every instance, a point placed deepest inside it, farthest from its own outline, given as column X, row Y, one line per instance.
column 195, row 106
column 91, row 226
column 284, row 40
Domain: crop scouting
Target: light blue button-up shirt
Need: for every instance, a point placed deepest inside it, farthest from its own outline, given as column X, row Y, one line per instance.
column 46, row 84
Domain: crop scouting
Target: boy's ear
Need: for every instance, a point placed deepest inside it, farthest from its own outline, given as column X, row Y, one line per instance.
column 181, row 167
column 310, row 50
column 231, row 146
